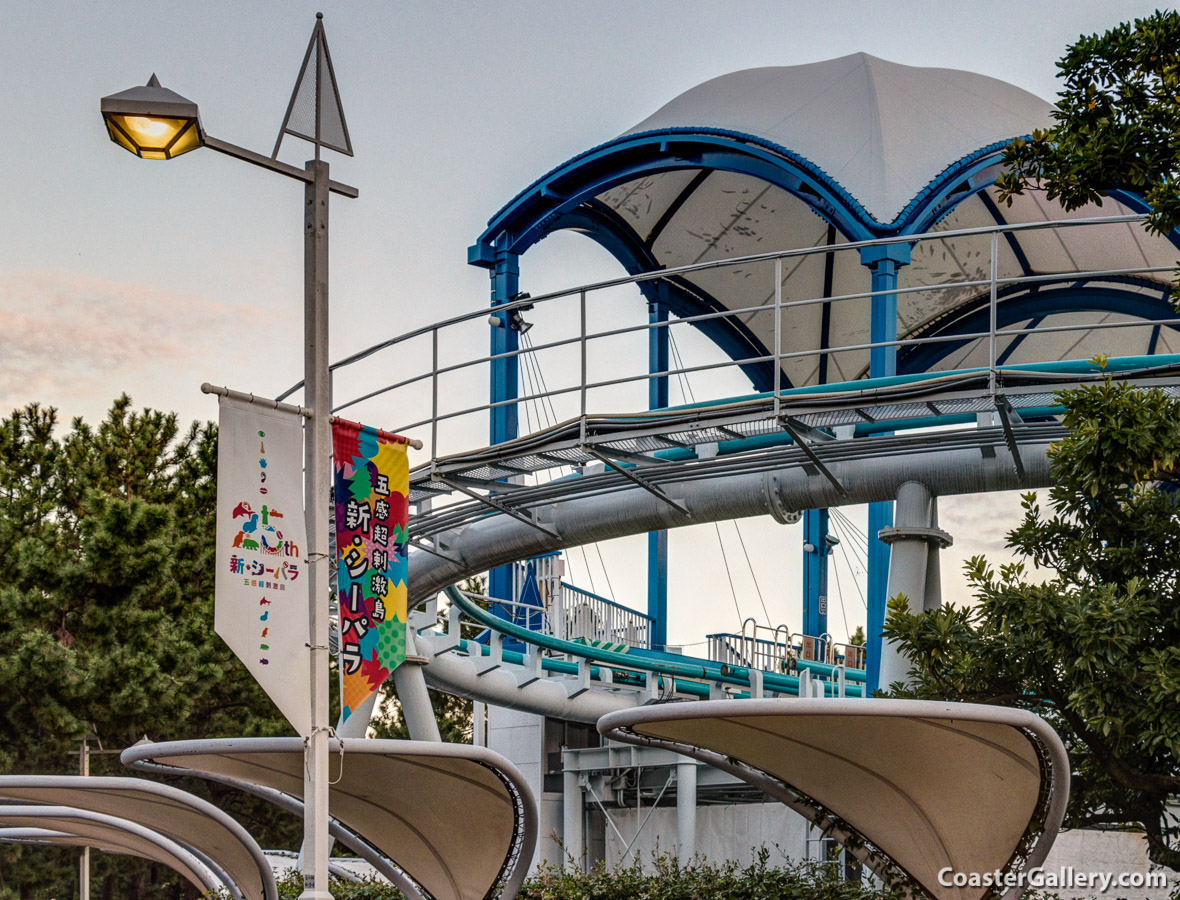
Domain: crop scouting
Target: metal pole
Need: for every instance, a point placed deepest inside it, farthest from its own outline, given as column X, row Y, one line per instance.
column 317, row 464
column 991, row 354
column 582, row 342
column 84, row 862
column 778, row 330
column 434, row 396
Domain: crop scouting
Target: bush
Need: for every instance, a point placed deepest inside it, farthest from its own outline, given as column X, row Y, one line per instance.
column 664, row 879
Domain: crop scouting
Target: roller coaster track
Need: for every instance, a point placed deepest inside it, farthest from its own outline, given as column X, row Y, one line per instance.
column 647, row 471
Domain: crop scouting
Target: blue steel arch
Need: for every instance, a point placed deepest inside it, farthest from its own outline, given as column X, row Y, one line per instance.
column 1018, row 307
column 535, row 211
column 565, row 199
column 609, row 230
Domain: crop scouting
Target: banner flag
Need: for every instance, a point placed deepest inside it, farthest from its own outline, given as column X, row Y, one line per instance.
column 261, row 599
column 372, row 512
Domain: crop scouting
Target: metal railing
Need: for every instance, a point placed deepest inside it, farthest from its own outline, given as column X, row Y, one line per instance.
column 570, row 613
column 780, row 650
column 587, row 617
column 573, row 340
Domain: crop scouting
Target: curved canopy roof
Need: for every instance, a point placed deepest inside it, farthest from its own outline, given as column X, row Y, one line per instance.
column 930, row 785
column 857, row 118
column 844, row 150
column 193, row 822
column 459, row 819
column 103, row 831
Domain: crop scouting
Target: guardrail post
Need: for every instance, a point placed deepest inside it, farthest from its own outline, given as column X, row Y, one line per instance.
column 778, row 332
column 434, row 454
column 991, row 340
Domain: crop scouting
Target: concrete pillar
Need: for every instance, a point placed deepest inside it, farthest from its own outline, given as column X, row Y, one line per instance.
column 686, row 811
column 913, row 541
column 572, row 815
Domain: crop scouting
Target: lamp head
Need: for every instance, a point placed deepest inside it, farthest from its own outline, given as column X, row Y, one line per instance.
column 152, row 122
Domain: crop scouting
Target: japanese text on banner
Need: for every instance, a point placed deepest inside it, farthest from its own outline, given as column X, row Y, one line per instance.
column 372, row 511
column 260, row 607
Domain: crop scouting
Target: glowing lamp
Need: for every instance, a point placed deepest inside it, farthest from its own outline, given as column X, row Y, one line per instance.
column 152, row 122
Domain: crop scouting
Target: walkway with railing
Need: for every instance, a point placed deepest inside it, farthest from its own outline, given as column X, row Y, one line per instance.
column 570, row 613
column 583, row 371
column 780, row 650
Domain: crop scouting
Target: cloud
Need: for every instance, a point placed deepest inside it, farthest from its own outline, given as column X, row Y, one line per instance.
column 73, row 340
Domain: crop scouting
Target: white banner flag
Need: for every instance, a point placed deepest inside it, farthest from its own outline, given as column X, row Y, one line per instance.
column 261, row 607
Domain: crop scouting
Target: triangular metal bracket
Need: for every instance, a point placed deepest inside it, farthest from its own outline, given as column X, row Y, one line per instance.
column 314, row 112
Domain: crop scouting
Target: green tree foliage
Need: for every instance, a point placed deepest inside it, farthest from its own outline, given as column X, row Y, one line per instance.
column 1094, row 648
column 1117, row 123
column 106, row 596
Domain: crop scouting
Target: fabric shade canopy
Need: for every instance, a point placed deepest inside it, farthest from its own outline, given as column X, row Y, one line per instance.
column 460, row 820
column 931, row 785
column 169, row 811
column 98, row 830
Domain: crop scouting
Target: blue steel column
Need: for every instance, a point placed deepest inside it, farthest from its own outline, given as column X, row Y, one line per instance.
column 883, row 261
column 815, row 572
column 505, row 275
column 657, row 541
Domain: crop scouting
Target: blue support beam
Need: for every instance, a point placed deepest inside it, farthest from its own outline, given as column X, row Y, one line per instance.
column 883, row 262
column 815, row 572
column 657, row 541
column 505, row 278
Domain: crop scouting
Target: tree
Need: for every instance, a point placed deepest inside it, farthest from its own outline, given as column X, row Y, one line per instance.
column 1095, row 647
column 106, row 597
column 1117, row 123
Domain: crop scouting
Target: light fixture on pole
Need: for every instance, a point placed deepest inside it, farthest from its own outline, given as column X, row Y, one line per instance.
column 152, row 122
column 155, row 123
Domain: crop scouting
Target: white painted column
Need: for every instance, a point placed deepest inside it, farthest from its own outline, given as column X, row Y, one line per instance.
column 915, row 540
column 572, row 837
column 686, row 811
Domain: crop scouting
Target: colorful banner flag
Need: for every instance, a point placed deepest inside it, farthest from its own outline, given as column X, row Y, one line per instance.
column 372, row 511
column 261, row 599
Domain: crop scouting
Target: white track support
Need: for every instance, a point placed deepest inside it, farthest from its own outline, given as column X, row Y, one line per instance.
column 686, row 811
column 572, row 838
column 915, row 538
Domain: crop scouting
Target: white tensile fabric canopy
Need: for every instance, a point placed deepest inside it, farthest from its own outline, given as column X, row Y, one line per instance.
column 193, row 822
column 883, row 132
column 881, row 129
column 932, row 786
column 102, row 831
column 460, row 820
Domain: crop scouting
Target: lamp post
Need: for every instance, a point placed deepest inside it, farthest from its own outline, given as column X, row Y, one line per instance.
column 155, row 123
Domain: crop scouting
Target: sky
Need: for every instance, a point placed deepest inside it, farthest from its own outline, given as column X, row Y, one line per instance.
column 121, row 275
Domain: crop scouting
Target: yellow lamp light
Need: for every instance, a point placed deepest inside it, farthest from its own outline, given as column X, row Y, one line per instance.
column 152, row 122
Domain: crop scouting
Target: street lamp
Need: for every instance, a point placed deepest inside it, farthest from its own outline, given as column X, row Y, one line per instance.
column 155, row 123
column 152, row 122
